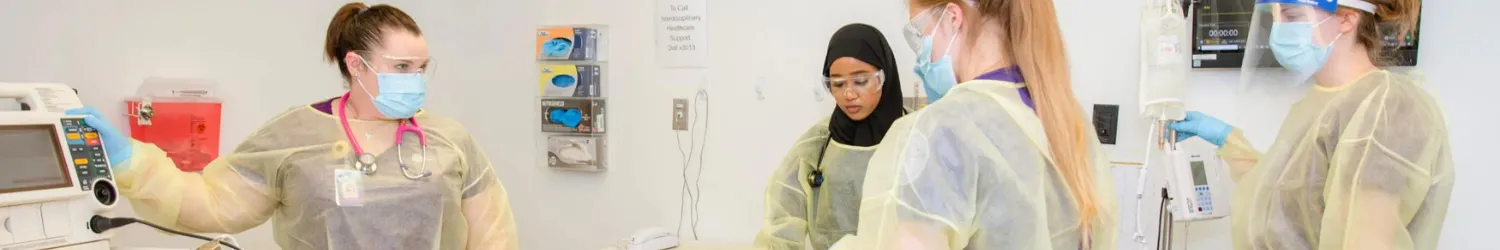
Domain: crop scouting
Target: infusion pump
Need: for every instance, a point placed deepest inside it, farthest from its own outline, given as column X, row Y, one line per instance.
column 54, row 175
column 1198, row 191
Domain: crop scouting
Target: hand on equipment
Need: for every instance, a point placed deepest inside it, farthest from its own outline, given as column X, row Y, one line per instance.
column 1201, row 125
column 116, row 145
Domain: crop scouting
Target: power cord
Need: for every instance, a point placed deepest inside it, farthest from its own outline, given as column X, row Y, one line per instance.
column 690, row 199
column 698, row 182
column 1164, row 223
column 687, row 193
column 100, row 224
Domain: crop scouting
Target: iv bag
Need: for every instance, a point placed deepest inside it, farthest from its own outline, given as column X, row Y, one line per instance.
column 1164, row 60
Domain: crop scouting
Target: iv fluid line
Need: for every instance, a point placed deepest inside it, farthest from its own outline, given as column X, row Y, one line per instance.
column 1140, row 183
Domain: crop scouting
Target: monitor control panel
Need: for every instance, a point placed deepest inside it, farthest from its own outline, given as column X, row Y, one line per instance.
column 86, row 151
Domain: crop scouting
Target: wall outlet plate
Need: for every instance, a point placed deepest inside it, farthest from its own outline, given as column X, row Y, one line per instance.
column 1106, row 120
column 680, row 114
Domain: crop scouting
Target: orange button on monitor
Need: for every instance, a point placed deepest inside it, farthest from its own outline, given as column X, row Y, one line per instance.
column 72, row 136
column 81, row 161
column 91, row 135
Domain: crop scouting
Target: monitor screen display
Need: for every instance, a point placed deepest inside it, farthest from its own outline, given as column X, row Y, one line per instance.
column 30, row 159
column 1222, row 27
column 1200, row 178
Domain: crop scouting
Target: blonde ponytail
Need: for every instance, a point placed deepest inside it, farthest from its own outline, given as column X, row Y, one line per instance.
column 1032, row 30
column 1037, row 47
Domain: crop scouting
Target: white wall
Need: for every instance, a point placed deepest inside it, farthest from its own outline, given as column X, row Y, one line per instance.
column 485, row 79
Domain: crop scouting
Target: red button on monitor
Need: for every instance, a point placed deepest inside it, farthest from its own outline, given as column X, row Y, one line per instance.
column 93, row 142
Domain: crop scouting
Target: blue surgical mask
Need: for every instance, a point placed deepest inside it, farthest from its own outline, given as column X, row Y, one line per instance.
column 1292, row 43
column 401, row 94
column 937, row 77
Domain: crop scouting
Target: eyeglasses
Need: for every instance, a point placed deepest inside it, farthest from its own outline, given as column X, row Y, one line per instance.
column 922, row 25
column 859, row 84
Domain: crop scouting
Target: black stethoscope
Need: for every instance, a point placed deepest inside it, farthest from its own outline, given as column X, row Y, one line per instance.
column 815, row 179
column 365, row 161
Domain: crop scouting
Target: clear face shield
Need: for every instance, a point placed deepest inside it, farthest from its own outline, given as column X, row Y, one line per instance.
column 1290, row 40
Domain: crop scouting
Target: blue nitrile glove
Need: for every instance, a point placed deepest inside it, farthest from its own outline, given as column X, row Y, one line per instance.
column 116, row 145
column 557, row 47
column 567, row 117
column 1207, row 127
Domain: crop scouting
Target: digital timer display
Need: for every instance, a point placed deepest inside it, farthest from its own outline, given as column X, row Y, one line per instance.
column 1221, row 30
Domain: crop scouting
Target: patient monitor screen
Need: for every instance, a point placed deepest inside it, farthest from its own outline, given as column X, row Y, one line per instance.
column 1199, row 177
column 29, row 159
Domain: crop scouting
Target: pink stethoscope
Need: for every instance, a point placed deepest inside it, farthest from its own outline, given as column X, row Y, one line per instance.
column 365, row 161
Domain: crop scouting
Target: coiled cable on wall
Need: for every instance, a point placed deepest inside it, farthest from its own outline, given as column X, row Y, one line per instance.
column 692, row 191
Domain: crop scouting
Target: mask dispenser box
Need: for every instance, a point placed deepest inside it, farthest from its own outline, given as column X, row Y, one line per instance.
column 571, row 115
column 571, row 80
column 570, row 43
column 575, row 152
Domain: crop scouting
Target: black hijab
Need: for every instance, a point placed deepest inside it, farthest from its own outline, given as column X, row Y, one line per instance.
column 865, row 43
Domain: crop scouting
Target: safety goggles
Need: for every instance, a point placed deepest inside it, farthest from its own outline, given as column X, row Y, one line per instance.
column 922, row 25
column 858, row 84
column 391, row 64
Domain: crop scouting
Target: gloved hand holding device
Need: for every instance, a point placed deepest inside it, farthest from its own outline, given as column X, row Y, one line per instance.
column 117, row 146
column 1201, row 125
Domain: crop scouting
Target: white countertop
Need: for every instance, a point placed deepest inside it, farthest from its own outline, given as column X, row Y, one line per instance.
column 697, row 245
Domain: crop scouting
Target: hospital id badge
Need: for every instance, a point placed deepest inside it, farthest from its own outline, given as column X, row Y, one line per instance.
column 348, row 191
